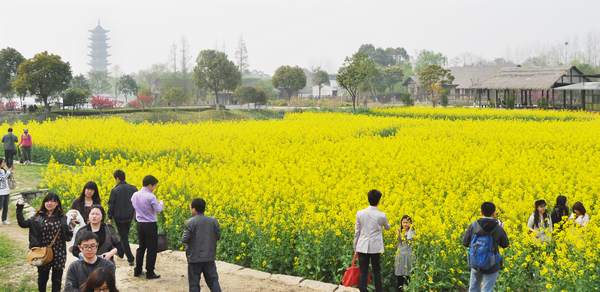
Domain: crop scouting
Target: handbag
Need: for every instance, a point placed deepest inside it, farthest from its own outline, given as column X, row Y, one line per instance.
column 163, row 242
column 12, row 183
column 41, row 256
column 351, row 277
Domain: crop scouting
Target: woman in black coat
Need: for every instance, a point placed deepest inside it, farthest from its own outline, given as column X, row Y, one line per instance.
column 48, row 222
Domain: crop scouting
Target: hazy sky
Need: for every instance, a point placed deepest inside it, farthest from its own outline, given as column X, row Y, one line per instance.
column 306, row 33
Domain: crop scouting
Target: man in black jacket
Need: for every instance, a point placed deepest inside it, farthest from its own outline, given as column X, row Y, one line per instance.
column 120, row 210
column 80, row 270
column 200, row 239
column 488, row 225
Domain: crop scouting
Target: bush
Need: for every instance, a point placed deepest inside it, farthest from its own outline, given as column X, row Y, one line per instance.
column 100, row 102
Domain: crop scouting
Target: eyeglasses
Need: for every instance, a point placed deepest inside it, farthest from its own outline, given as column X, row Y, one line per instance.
column 89, row 247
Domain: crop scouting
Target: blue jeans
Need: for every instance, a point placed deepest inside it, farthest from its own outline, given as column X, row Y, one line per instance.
column 481, row 282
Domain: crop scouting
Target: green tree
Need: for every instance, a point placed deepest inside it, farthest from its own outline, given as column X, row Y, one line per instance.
column 74, row 97
column 427, row 58
column 44, row 75
column 127, row 86
column 289, row 79
column 320, row 78
column 79, row 81
column 249, row 94
column 10, row 59
column 175, row 96
column 99, row 82
column 434, row 80
column 385, row 57
column 355, row 71
column 216, row 73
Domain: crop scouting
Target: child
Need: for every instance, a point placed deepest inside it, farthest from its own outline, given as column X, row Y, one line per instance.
column 404, row 260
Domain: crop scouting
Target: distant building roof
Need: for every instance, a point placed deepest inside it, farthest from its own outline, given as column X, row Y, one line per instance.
column 471, row 76
column 581, row 86
column 525, row 78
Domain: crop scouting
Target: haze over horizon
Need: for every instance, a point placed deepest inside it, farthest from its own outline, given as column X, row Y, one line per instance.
column 307, row 33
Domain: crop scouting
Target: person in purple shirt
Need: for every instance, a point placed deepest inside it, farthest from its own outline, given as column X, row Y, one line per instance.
column 146, row 207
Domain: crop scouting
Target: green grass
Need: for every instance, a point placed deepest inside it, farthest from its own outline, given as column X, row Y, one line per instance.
column 8, row 252
column 10, row 257
column 208, row 115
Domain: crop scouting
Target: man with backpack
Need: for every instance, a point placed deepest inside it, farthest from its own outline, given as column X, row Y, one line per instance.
column 483, row 238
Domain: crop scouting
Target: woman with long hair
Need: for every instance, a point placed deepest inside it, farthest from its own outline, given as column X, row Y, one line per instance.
column 108, row 238
column 580, row 215
column 89, row 196
column 100, row 280
column 560, row 210
column 47, row 223
column 539, row 222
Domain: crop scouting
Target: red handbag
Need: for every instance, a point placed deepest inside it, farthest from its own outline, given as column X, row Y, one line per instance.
column 351, row 277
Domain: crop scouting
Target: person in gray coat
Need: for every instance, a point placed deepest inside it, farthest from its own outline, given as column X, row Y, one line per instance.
column 200, row 239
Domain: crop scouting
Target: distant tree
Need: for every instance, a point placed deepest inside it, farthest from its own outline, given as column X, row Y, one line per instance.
column 127, row 86
column 426, row 58
column 248, row 94
column 100, row 102
column 44, row 75
column 385, row 57
column 320, row 78
column 289, row 79
column 175, row 96
column 99, row 82
column 536, row 61
column 10, row 59
column 434, row 78
column 216, row 73
column 355, row 71
column 241, row 56
column 79, row 81
column 74, row 97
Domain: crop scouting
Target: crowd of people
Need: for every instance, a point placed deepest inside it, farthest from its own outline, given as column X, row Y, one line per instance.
column 483, row 238
column 95, row 237
column 86, row 231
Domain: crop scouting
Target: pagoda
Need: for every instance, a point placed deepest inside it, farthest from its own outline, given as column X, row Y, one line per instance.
column 98, row 49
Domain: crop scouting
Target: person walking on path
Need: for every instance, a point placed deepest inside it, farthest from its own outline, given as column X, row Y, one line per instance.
column 4, row 190
column 120, row 210
column 200, row 239
column 403, row 261
column 89, row 196
column 25, row 145
column 80, row 270
column 146, row 207
column 108, row 240
column 10, row 149
column 49, row 222
column 483, row 237
column 368, row 240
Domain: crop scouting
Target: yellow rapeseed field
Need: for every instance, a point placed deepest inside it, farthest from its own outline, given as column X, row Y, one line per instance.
column 286, row 191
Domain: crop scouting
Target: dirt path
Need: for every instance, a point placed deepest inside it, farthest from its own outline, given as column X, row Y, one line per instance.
column 170, row 265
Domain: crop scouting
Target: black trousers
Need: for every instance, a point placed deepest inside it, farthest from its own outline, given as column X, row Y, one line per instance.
column 4, row 205
column 363, row 263
column 9, row 156
column 44, row 275
column 148, row 241
column 123, row 229
column 209, row 269
column 402, row 281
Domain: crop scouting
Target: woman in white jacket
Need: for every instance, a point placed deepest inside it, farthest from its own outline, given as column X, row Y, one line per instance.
column 4, row 190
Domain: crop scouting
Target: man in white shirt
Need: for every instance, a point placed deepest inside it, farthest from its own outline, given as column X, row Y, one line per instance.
column 368, row 240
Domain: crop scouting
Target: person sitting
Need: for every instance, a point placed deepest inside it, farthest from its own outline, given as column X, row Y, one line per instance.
column 580, row 216
column 539, row 222
column 79, row 271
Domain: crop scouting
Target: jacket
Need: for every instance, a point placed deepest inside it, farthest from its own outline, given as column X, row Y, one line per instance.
column 111, row 239
column 200, row 239
column 489, row 226
column 35, row 224
column 368, row 233
column 120, row 208
column 79, row 271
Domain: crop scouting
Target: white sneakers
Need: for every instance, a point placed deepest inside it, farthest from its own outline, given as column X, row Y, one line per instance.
column 6, row 222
